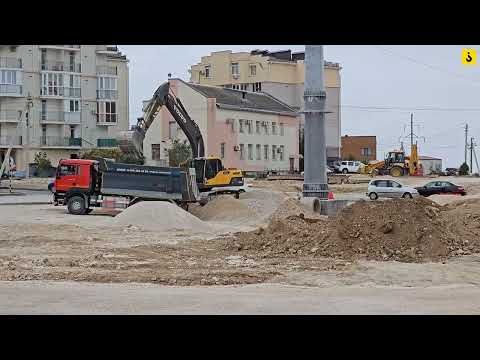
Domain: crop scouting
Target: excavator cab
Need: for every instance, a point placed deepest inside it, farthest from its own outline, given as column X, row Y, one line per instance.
column 210, row 173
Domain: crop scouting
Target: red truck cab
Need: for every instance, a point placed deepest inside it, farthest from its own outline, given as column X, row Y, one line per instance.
column 73, row 174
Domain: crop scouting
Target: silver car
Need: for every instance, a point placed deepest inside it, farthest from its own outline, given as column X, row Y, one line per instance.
column 390, row 189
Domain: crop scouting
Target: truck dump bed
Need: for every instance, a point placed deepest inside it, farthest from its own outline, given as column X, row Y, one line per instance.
column 149, row 182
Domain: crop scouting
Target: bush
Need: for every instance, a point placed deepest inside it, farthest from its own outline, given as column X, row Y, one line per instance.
column 42, row 161
column 116, row 154
column 464, row 169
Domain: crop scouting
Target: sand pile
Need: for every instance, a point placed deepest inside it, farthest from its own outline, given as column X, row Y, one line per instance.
column 160, row 216
column 407, row 231
column 224, row 208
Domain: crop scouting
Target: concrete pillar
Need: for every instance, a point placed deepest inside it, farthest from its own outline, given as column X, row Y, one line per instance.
column 315, row 158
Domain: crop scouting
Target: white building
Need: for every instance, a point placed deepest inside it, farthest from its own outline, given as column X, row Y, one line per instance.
column 73, row 97
column 430, row 164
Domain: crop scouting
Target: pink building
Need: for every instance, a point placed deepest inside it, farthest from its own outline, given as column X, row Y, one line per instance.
column 251, row 131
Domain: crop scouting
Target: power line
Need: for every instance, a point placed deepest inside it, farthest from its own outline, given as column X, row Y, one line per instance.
column 433, row 67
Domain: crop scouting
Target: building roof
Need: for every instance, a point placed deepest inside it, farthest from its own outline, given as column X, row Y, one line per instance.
column 428, row 158
column 243, row 100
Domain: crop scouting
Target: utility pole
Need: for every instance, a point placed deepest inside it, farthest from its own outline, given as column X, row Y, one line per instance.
column 411, row 132
column 315, row 151
column 476, row 161
column 466, row 142
column 471, row 155
column 27, row 133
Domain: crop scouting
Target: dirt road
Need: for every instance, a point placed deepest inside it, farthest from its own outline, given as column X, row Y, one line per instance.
column 89, row 298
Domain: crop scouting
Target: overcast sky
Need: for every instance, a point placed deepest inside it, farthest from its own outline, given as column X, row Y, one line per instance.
column 381, row 86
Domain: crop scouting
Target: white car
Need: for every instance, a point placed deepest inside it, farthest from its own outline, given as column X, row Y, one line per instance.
column 348, row 167
column 390, row 189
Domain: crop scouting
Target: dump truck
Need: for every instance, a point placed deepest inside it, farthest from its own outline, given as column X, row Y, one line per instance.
column 82, row 185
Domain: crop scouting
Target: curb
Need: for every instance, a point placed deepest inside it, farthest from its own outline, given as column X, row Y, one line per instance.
column 28, row 203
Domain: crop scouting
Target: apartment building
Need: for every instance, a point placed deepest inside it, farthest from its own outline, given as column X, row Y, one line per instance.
column 362, row 148
column 280, row 74
column 61, row 99
column 247, row 130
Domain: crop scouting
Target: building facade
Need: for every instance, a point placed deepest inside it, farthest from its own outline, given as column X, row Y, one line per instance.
column 430, row 164
column 61, row 99
column 361, row 148
column 247, row 130
column 280, row 74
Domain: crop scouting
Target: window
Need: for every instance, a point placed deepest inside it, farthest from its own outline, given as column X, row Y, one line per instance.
column 265, row 127
column 207, row 71
column 350, row 163
column 243, row 87
column 72, row 131
column 253, row 69
column 381, row 183
column 107, row 87
column 74, row 106
column 257, row 127
column 235, row 69
column 172, row 130
column 107, row 111
column 366, row 151
column 44, row 130
column 236, row 86
column 8, row 77
column 274, row 128
column 250, row 152
column 155, row 151
column 71, row 57
column 44, row 56
column 240, row 122
column 282, row 149
column 68, row 170
column 222, row 150
column 265, row 152
column 52, row 84
column 257, row 87
column 259, row 152
column 44, row 109
column 282, row 129
column 394, row 184
column 274, row 152
column 250, row 126
column 242, row 151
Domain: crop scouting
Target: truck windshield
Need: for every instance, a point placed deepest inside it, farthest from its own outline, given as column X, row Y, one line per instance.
column 65, row 170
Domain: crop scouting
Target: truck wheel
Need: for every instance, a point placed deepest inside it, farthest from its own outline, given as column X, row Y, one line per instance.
column 373, row 196
column 237, row 195
column 76, row 205
column 88, row 211
column 407, row 196
column 345, row 171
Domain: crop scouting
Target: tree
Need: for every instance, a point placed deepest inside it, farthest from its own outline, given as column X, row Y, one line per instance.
column 42, row 161
column 464, row 169
column 179, row 153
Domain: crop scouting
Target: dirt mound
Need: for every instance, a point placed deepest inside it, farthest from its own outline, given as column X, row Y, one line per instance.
column 224, row 208
column 291, row 207
column 408, row 231
column 160, row 216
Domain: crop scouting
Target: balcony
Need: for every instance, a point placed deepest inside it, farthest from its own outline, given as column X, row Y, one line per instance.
column 60, row 117
column 10, row 116
column 60, row 142
column 107, row 94
column 107, row 119
column 107, row 143
column 107, row 70
column 7, row 141
column 10, row 63
column 55, row 92
column 61, row 66
column 61, row 47
column 11, row 90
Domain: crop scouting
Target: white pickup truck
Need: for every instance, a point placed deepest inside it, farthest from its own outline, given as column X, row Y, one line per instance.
column 346, row 167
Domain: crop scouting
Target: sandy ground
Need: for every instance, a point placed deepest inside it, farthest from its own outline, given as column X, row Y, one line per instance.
column 44, row 243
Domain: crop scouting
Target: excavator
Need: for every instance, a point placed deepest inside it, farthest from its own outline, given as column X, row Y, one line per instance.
column 210, row 173
column 396, row 164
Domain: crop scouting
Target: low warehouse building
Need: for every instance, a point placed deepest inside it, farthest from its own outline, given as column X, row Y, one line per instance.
column 430, row 164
